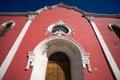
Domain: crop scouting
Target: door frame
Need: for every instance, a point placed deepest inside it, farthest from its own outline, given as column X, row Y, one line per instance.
column 72, row 49
column 61, row 64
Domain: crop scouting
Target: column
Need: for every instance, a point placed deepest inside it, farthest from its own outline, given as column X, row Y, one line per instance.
column 107, row 52
column 40, row 64
column 15, row 46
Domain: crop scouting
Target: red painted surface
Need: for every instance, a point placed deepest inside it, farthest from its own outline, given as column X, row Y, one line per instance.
column 111, row 39
column 8, row 40
column 84, row 34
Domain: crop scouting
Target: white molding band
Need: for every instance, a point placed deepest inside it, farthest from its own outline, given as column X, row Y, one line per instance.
column 14, row 48
column 107, row 53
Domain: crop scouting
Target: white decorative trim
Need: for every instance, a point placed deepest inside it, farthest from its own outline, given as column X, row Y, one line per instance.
column 40, row 60
column 107, row 53
column 31, row 58
column 61, row 5
column 31, row 17
column 6, row 27
column 60, row 22
column 40, row 10
column 5, row 24
column 13, row 50
column 110, row 26
column 40, row 64
column 86, row 62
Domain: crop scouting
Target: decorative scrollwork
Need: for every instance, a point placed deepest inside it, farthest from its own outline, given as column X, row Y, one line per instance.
column 30, row 61
column 86, row 62
column 59, row 28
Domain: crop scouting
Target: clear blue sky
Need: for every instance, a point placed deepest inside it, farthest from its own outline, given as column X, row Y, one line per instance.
column 94, row 6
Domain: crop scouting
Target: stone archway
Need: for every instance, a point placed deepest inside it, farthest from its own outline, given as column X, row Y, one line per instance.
column 76, row 54
column 71, row 50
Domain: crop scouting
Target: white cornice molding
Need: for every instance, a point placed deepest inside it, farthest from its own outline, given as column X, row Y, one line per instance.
column 62, row 5
column 79, row 10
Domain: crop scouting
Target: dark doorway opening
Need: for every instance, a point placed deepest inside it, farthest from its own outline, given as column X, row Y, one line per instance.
column 58, row 67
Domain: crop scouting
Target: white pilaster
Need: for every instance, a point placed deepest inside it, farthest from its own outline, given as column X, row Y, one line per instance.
column 107, row 53
column 14, row 48
column 39, row 69
column 40, row 64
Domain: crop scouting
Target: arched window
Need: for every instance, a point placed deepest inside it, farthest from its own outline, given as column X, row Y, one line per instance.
column 60, row 28
column 6, row 26
column 115, row 28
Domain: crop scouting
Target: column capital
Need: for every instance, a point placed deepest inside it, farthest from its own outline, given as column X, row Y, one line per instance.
column 31, row 16
column 90, row 18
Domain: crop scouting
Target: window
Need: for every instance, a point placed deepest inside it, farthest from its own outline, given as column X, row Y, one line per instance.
column 115, row 28
column 6, row 26
column 59, row 28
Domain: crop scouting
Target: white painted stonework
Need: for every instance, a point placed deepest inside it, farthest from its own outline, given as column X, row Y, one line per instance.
column 45, row 49
column 60, row 22
column 39, row 69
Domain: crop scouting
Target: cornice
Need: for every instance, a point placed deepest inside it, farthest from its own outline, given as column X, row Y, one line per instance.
column 102, row 15
column 70, row 7
column 60, row 5
column 81, row 11
column 17, row 13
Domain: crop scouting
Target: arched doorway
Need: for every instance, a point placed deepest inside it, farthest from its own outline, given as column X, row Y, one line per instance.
column 58, row 67
column 77, row 56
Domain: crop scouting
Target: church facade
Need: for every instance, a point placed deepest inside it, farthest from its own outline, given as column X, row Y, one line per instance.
column 59, row 42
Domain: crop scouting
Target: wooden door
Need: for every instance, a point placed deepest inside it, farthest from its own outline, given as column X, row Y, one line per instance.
column 58, row 71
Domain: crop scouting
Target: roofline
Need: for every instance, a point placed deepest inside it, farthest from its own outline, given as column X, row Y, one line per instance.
column 17, row 13
column 60, row 5
column 81, row 11
column 102, row 15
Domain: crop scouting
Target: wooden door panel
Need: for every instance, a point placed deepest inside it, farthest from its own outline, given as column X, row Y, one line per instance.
column 58, row 71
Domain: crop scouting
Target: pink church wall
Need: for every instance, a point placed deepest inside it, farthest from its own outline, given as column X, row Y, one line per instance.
column 8, row 40
column 84, row 35
column 111, row 39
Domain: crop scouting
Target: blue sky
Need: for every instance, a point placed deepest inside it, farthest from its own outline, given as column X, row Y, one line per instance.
column 94, row 6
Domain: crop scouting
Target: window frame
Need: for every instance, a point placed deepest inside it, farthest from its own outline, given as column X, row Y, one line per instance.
column 112, row 27
column 59, row 23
